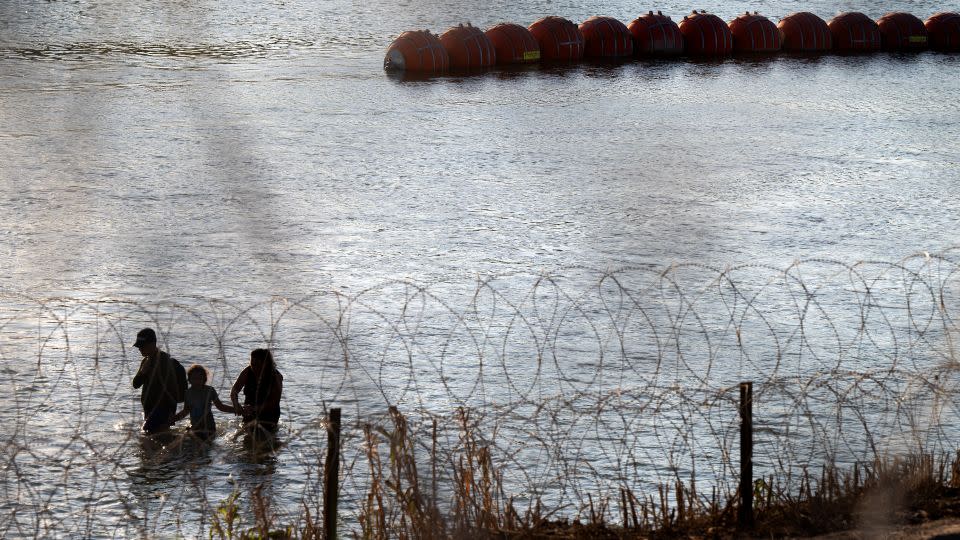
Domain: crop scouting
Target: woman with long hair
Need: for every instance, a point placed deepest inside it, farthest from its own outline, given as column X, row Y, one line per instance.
column 262, row 386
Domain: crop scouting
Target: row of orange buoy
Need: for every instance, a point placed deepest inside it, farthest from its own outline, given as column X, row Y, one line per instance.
column 655, row 34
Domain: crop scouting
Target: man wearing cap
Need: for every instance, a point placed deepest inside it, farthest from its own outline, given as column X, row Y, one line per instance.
column 164, row 382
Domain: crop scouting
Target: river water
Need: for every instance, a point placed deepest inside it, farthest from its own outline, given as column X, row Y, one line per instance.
column 196, row 165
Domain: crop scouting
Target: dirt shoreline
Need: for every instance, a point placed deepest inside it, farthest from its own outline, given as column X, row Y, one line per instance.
column 941, row 529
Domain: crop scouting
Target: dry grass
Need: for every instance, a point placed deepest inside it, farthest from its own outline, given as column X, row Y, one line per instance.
column 403, row 502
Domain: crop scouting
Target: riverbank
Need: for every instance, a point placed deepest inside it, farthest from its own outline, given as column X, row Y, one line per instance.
column 907, row 500
column 941, row 529
column 909, row 497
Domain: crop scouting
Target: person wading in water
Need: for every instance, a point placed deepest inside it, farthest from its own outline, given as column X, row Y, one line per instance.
column 197, row 404
column 164, row 383
column 262, row 386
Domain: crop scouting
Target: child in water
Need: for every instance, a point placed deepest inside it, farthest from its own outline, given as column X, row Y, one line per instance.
column 196, row 403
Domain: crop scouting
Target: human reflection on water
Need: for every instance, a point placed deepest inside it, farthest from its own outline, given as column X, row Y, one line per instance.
column 259, row 443
column 177, row 478
column 253, row 462
column 167, row 471
column 164, row 456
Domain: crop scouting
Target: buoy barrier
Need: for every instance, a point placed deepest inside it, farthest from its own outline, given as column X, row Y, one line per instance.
column 468, row 47
column 606, row 37
column 901, row 31
column 705, row 34
column 559, row 38
column 944, row 31
column 853, row 31
column 805, row 32
column 514, row 44
column 698, row 34
column 753, row 33
column 655, row 35
column 416, row 50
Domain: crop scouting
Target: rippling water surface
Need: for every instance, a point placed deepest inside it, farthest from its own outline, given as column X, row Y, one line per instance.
column 239, row 150
column 258, row 148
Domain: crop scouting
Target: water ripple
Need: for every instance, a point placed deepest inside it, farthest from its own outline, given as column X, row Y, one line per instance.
column 107, row 49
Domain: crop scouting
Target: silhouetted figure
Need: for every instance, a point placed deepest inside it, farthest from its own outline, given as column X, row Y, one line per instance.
column 197, row 401
column 262, row 386
column 164, row 382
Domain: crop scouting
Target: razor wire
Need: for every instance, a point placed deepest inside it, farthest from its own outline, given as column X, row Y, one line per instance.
column 579, row 382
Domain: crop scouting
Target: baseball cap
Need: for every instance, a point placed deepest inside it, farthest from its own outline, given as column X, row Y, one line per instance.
column 147, row 335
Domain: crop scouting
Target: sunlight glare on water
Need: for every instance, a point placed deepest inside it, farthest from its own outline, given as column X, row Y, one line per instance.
column 227, row 155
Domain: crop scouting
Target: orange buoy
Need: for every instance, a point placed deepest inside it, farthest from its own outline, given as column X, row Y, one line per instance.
column 944, row 31
column 755, row 34
column 416, row 50
column 805, row 32
column 854, row 31
column 901, row 31
column 559, row 38
column 468, row 47
column 606, row 37
column 705, row 34
column 655, row 35
column 514, row 44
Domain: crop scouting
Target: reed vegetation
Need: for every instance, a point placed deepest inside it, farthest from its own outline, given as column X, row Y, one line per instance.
column 404, row 501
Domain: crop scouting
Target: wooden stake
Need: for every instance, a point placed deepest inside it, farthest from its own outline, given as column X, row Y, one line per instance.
column 331, row 473
column 745, row 512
